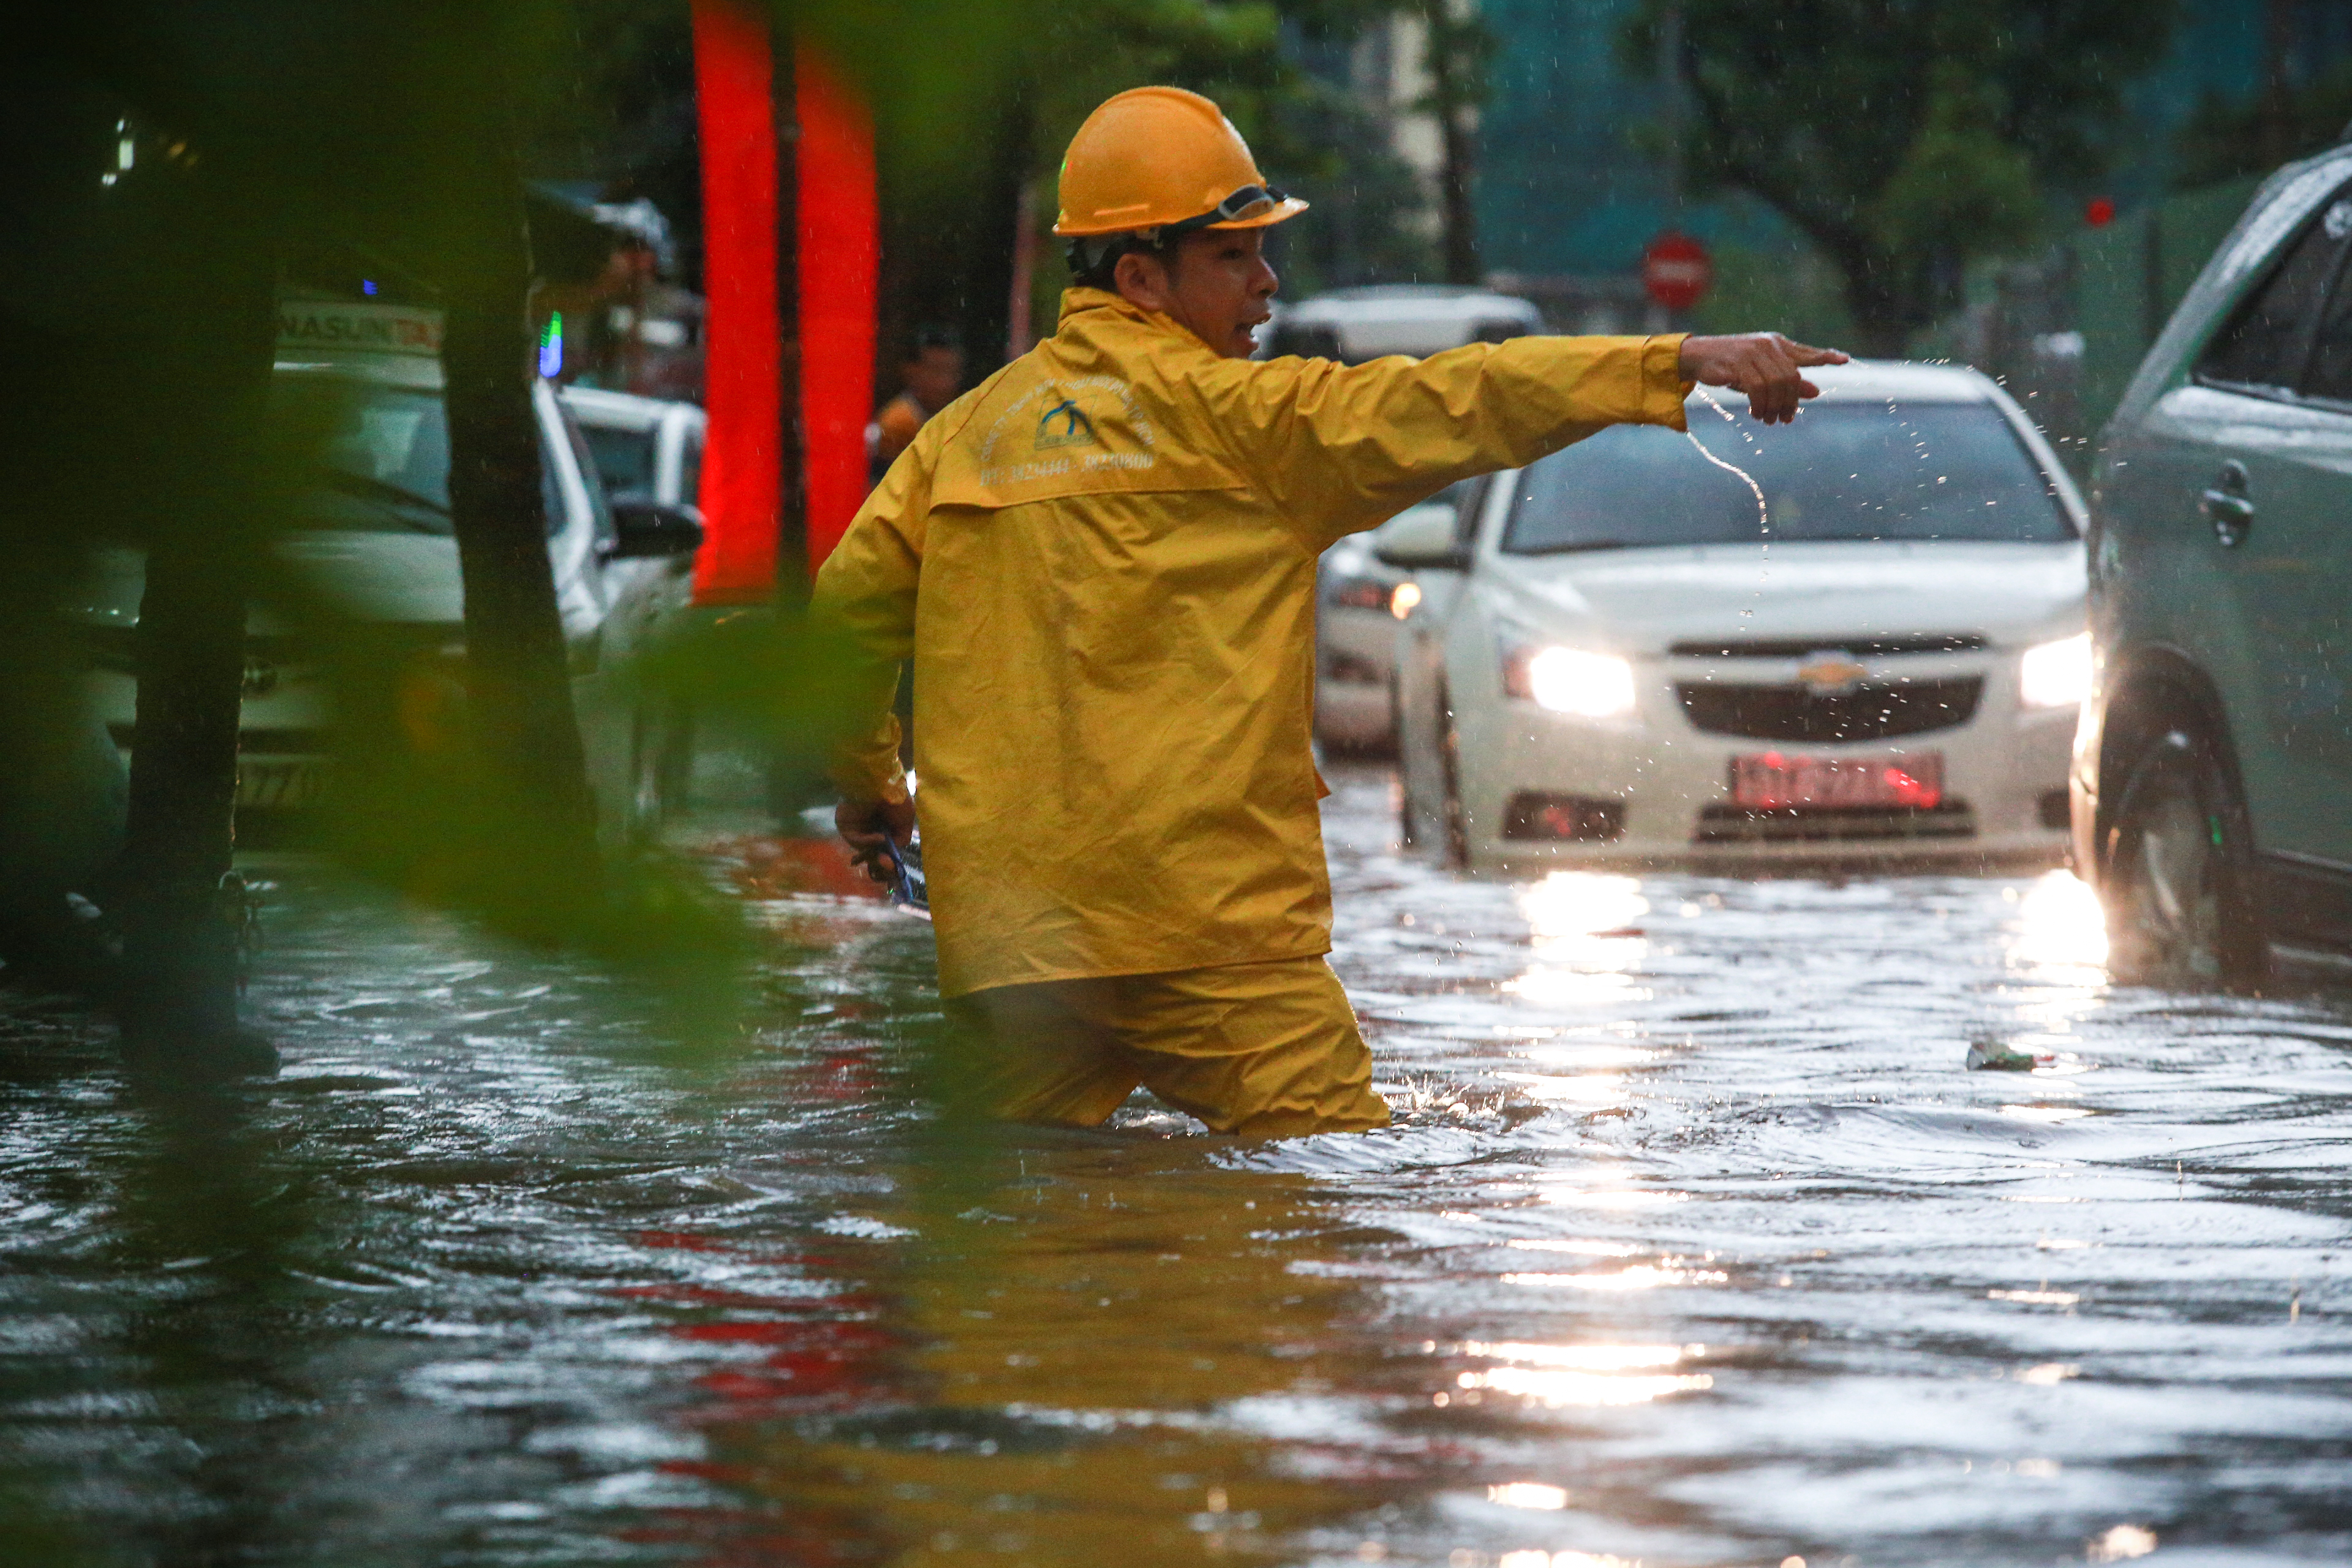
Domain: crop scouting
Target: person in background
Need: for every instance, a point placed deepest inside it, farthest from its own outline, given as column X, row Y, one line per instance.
column 930, row 379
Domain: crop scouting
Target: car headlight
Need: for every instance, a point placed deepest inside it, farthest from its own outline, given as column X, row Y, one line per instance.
column 2057, row 674
column 1401, row 602
column 1571, row 680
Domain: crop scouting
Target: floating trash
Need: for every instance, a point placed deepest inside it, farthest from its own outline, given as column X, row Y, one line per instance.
column 1992, row 1055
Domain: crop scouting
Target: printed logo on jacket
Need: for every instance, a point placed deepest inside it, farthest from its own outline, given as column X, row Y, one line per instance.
column 1067, row 425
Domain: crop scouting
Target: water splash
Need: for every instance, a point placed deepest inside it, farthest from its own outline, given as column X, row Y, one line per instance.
column 1763, row 512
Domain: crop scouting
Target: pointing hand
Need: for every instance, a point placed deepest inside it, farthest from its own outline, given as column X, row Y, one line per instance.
column 1766, row 366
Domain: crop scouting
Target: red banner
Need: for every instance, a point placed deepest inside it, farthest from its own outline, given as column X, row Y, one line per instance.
column 742, row 492
column 839, row 230
column 840, row 257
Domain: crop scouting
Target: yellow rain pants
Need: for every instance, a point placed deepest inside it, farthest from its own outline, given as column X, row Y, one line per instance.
column 1102, row 562
column 1266, row 1050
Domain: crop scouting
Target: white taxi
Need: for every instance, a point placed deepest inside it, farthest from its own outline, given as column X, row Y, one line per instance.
column 1857, row 636
column 370, row 554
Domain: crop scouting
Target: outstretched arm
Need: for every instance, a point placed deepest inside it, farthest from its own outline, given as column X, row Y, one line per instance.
column 1344, row 447
column 1341, row 448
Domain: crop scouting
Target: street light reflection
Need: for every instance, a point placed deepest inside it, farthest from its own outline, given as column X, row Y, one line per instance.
column 1584, row 1248
column 1598, row 1088
column 1589, row 904
column 1614, row 1198
column 2060, row 923
column 1557, row 1375
column 1586, row 938
column 1640, row 1277
column 1555, row 1390
column 2060, row 941
column 1586, row 1358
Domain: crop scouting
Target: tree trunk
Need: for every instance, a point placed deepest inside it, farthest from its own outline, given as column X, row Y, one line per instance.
column 179, row 947
column 1461, row 216
column 524, row 728
column 1447, row 52
column 180, row 916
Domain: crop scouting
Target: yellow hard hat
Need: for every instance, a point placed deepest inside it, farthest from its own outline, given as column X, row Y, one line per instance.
column 1160, row 158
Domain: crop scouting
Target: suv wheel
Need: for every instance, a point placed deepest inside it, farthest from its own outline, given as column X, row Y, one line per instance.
column 2179, row 874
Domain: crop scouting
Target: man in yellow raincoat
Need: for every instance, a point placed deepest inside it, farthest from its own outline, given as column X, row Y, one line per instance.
column 1102, row 563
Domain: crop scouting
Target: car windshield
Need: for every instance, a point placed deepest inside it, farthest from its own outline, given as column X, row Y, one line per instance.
column 381, row 454
column 1840, row 471
column 626, row 458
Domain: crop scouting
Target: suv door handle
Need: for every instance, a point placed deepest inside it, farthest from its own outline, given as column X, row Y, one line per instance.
column 2226, row 506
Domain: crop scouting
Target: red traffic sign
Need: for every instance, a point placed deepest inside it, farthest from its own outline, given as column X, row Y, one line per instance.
column 1676, row 271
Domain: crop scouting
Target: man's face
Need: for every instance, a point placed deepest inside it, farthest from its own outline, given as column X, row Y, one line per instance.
column 1218, row 289
column 934, row 375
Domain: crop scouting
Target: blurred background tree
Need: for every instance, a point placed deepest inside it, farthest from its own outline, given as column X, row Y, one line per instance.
column 1905, row 139
column 2224, row 138
column 1457, row 45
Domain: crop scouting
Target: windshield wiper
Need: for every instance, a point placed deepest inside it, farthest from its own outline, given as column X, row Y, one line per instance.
column 1576, row 545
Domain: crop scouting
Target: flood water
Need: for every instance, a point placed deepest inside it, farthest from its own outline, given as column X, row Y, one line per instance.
column 1696, row 1243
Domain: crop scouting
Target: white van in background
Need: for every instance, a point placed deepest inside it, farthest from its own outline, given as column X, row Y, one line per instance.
column 1352, row 325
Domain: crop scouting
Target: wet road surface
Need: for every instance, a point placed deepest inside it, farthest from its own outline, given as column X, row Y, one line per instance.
column 1696, row 1244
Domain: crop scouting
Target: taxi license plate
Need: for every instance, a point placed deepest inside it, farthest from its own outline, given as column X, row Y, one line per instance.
column 279, row 782
column 1774, row 781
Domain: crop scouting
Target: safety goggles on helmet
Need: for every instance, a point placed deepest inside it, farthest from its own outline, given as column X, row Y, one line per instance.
column 1250, row 201
column 1087, row 253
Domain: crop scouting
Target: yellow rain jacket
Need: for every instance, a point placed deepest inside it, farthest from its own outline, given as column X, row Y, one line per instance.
column 1102, row 563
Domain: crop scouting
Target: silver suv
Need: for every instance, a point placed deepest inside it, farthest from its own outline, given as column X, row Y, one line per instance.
column 2211, row 779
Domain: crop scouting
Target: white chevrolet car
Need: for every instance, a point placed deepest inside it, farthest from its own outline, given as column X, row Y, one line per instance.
column 1857, row 636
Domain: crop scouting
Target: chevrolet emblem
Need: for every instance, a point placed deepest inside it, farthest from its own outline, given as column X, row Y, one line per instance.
column 1830, row 671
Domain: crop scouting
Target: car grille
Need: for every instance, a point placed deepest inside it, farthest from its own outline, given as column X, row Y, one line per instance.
column 1834, row 825
column 1867, row 713
column 1800, row 647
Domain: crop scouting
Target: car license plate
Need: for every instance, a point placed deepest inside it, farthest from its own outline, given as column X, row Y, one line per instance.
column 1773, row 781
column 279, row 782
